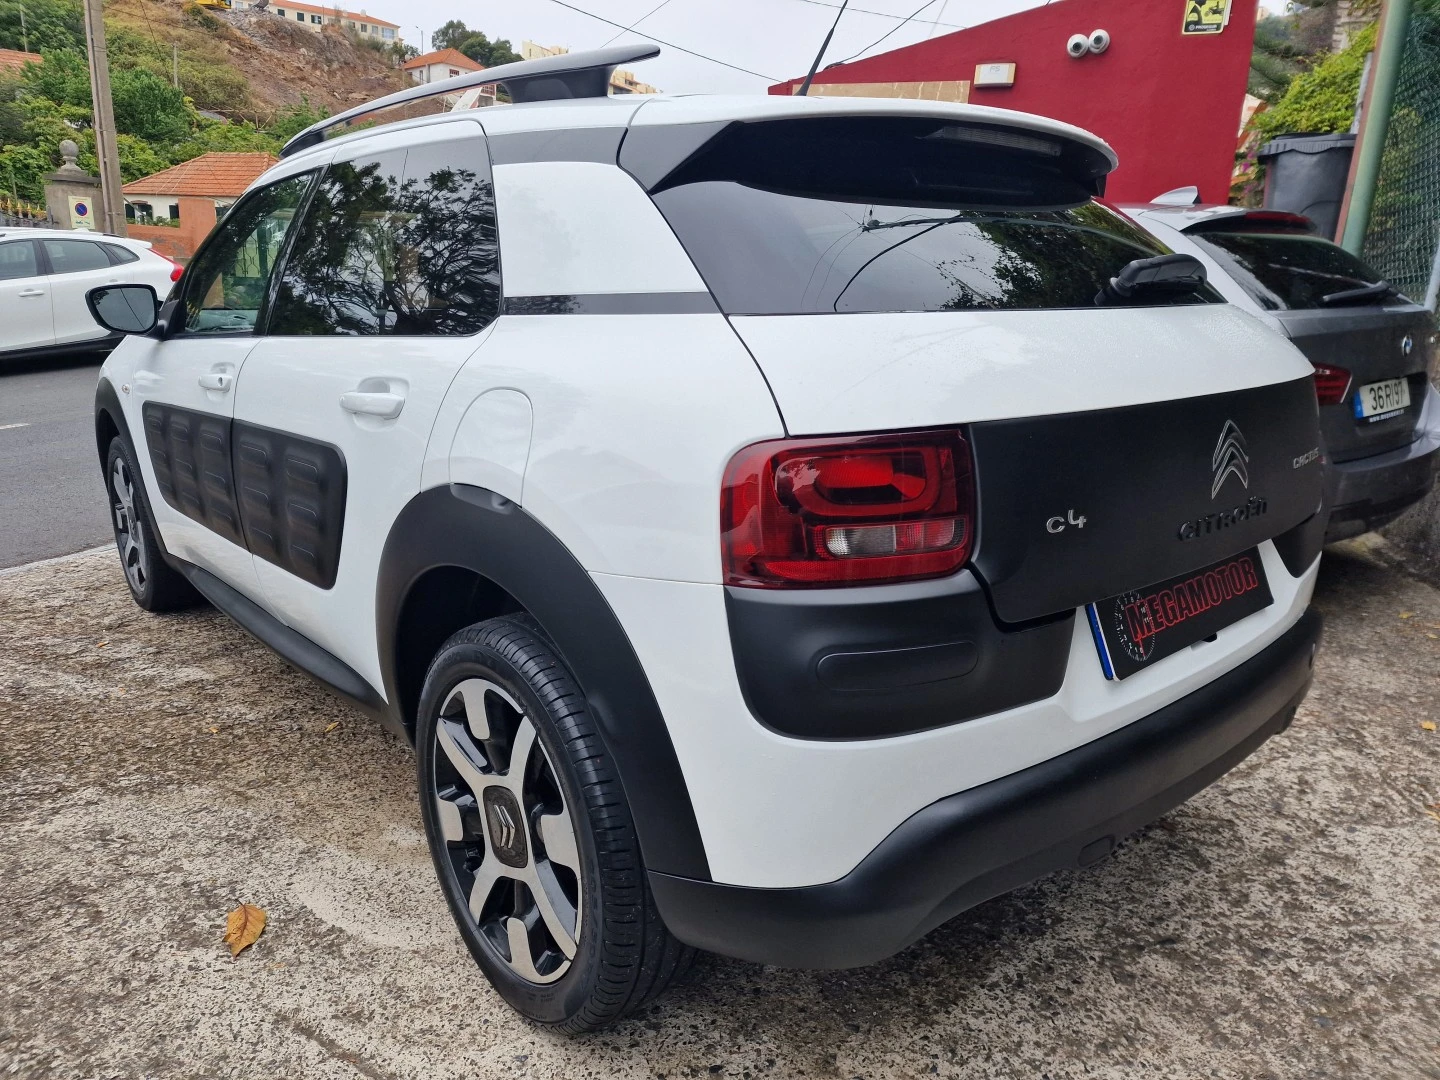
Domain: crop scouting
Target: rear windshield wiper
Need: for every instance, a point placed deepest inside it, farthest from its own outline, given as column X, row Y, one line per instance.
column 1162, row 275
column 1377, row 291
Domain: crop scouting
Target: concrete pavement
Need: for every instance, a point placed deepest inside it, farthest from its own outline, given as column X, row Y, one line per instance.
column 52, row 498
column 156, row 771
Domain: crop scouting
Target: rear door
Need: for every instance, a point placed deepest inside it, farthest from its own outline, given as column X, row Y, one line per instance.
column 76, row 267
column 393, row 275
column 26, row 321
column 183, row 385
column 1382, row 343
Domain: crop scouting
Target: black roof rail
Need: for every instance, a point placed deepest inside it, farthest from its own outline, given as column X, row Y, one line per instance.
column 550, row 78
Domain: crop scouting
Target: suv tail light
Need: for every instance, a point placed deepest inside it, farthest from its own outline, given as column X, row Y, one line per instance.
column 1331, row 384
column 796, row 513
column 176, row 269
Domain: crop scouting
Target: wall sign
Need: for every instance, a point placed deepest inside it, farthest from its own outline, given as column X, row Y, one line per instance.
column 82, row 213
column 994, row 75
column 1205, row 16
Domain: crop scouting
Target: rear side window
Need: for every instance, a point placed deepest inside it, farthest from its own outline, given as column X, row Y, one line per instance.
column 119, row 254
column 74, row 256
column 899, row 215
column 403, row 243
column 17, row 260
column 1284, row 268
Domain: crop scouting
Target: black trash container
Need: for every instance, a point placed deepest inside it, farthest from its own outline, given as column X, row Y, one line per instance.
column 1306, row 174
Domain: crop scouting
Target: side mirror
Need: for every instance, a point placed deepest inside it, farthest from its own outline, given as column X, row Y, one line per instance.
column 124, row 309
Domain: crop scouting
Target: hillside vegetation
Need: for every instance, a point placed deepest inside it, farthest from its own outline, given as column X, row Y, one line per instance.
column 267, row 77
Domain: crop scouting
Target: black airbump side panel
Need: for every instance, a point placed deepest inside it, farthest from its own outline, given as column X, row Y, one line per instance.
column 292, row 501
column 191, row 455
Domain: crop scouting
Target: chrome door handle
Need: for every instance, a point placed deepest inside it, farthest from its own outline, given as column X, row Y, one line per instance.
column 372, row 403
column 217, row 380
column 31, row 292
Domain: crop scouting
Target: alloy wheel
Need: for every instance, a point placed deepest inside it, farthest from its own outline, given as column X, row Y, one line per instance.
column 134, row 556
column 507, row 830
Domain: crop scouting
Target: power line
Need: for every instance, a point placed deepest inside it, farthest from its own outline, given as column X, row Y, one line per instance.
column 667, row 44
column 637, row 22
column 882, row 14
column 892, row 30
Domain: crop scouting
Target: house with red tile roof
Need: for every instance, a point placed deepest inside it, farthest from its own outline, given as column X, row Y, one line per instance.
column 13, row 60
column 190, row 196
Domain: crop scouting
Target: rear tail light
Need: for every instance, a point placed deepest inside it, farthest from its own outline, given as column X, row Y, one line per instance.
column 815, row 512
column 1331, row 384
column 175, row 268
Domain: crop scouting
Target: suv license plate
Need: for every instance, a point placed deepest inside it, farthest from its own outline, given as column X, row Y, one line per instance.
column 1136, row 629
column 1382, row 400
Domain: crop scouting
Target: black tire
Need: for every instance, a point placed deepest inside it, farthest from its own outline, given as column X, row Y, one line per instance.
column 624, row 956
column 154, row 583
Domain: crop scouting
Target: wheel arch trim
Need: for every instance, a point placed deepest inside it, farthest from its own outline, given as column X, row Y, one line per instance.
column 485, row 533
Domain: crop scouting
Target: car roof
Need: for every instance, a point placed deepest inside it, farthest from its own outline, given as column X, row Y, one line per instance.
column 652, row 110
column 24, row 231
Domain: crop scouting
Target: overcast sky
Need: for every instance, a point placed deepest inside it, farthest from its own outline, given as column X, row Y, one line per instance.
column 776, row 38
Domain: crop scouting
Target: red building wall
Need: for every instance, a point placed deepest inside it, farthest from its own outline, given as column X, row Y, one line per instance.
column 1169, row 103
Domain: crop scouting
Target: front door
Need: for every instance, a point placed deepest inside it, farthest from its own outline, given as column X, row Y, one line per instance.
column 393, row 275
column 184, row 384
column 25, row 319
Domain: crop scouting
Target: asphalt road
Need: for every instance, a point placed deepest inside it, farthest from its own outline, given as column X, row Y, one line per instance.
column 156, row 771
column 52, row 499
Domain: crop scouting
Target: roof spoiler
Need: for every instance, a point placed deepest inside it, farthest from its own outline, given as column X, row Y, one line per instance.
column 550, row 78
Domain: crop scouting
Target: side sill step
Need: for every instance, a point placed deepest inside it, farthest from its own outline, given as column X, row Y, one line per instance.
column 295, row 649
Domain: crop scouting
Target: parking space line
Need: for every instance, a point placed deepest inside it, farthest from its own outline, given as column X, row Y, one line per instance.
column 7, row 427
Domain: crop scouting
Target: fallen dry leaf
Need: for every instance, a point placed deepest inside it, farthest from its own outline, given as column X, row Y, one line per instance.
column 1427, row 725
column 332, row 726
column 1433, row 637
column 102, row 644
column 1407, row 614
column 214, row 731
column 242, row 927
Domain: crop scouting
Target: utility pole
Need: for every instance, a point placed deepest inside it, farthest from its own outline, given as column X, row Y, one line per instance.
column 1374, row 125
column 106, row 148
column 175, row 65
column 24, row 34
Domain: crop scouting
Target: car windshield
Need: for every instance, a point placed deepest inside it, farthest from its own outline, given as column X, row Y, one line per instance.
column 1284, row 269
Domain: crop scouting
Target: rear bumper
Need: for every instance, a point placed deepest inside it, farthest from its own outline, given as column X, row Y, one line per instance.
column 957, row 852
column 1370, row 492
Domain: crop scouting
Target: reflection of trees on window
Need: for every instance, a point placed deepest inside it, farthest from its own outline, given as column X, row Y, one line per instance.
column 380, row 255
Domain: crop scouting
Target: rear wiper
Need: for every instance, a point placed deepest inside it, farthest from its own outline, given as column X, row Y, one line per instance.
column 1172, row 275
column 1376, row 291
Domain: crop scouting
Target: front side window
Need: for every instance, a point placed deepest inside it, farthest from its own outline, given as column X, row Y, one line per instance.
column 227, row 281
column 18, row 260
column 399, row 244
column 74, row 256
column 1284, row 268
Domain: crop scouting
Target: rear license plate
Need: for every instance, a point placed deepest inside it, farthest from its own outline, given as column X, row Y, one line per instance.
column 1382, row 400
column 1136, row 629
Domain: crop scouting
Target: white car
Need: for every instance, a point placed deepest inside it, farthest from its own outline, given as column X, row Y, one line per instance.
column 780, row 523
column 45, row 275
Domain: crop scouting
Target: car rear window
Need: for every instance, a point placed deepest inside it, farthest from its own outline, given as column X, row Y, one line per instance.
column 1284, row 268
column 912, row 215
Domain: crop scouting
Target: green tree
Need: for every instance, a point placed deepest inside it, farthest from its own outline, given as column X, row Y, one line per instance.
column 1322, row 99
column 49, row 25
column 149, row 107
column 486, row 52
column 291, row 122
column 450, row 35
